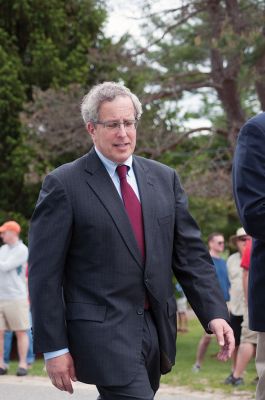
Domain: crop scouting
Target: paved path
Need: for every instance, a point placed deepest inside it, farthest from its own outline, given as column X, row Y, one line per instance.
column 39, row 388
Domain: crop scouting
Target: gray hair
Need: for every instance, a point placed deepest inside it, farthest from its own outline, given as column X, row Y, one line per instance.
column 106, row 91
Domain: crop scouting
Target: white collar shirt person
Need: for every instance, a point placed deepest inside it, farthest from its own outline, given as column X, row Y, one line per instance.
column 235, row 273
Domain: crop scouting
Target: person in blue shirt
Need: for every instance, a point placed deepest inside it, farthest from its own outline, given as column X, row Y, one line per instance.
column 216, row 244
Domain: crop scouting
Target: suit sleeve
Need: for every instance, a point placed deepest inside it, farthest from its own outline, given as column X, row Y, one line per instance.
column 249, row 179
column 193, row 267
column 49, row 238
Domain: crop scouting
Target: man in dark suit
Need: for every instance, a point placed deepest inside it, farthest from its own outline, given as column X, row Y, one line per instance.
column 249, row 192
column 108, row 231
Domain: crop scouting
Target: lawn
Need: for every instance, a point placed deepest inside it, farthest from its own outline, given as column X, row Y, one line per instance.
column 211, row 376
column 213, row 372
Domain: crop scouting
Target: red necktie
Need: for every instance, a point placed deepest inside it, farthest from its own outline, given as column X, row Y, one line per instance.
column 133, row 208
column 134, row 211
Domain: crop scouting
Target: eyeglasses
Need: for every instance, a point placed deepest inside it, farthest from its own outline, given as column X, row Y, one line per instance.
column 242, row 239
column 128, row 124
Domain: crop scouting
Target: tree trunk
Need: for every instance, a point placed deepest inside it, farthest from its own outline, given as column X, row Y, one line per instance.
column 225, row 77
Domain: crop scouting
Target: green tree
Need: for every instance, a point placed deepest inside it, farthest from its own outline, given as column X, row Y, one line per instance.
column 210, row 48
column 52, row 38
column 214, row 50
column 43, row 44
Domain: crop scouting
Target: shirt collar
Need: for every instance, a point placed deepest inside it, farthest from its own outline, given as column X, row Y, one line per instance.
column 111, row 165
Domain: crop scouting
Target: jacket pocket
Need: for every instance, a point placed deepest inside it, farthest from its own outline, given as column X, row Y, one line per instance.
column 85, row 311
column 171, row 306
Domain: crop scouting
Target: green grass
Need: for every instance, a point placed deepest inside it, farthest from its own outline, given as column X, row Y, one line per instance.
column 210, row 377
column 213, row 372
column 36, row 370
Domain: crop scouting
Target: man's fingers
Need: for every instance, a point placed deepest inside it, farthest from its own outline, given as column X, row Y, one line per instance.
column 225, row 338
column 228, row 347
column 56, row 381
column 62, row 383
column 67, row 384
column 72, row 373
column 223, row 354
column 230, row 340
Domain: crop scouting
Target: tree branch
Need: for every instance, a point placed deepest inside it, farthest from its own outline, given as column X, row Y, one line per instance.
column 155, row 153
column 168, row 29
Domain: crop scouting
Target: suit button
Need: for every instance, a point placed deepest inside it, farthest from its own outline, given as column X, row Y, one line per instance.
column 140, row 311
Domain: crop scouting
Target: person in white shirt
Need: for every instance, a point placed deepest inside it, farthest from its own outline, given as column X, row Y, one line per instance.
column 14, row 306
column 236, row 303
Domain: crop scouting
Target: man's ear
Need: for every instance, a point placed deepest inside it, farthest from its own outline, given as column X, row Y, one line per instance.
column 90, row 127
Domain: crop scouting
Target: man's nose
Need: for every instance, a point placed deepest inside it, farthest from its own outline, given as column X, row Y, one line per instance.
column 122, row 131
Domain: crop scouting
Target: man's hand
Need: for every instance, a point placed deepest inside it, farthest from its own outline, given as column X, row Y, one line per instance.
column 225, row 338
column 61, row 371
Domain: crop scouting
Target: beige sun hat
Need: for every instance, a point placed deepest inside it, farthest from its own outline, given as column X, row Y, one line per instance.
column 239, row 233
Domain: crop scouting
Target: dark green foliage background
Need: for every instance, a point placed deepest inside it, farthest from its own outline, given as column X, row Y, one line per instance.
column 53, row 44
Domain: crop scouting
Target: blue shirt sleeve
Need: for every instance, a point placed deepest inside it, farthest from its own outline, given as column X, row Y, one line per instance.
column 53, row 354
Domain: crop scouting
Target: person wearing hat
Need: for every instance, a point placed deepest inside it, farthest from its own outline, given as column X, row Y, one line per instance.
column 14, row 307
column 236, row 303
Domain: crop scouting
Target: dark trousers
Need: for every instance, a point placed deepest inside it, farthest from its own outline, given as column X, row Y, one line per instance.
column 235, row 322
column 146, row 381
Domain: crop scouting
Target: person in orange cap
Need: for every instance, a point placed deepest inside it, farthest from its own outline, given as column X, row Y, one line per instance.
column 14, row 308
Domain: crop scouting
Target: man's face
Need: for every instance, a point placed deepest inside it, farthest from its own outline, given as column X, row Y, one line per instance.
column 217, row 244
column 8, row 237
column 119, row 143
column 241, row 243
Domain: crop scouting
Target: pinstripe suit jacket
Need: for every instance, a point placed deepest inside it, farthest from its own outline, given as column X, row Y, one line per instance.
column 86, row 278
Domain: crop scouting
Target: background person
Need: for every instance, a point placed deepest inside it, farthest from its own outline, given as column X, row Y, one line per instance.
column 237, row 300
column 216, row 244
column 182, row 307
column 14, row 308
column 107, row 230
column 248, row 338
column 8, row 339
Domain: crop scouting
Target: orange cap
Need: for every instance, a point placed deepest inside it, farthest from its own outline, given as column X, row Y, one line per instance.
column 10, row 226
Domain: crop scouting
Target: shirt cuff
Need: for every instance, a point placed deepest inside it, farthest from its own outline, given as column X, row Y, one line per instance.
column 53, row 354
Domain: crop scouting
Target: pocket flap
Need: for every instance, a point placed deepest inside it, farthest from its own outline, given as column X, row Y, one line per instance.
column 86, row 311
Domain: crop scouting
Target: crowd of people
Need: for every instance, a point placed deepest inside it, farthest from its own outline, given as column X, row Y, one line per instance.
column 233, row 278
column 102, row 301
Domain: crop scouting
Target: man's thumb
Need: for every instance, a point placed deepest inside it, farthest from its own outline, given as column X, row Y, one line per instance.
column 220, row 338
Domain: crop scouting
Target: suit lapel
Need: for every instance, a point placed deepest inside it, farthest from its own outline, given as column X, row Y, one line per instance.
column 100, row 182
column 147, row 195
